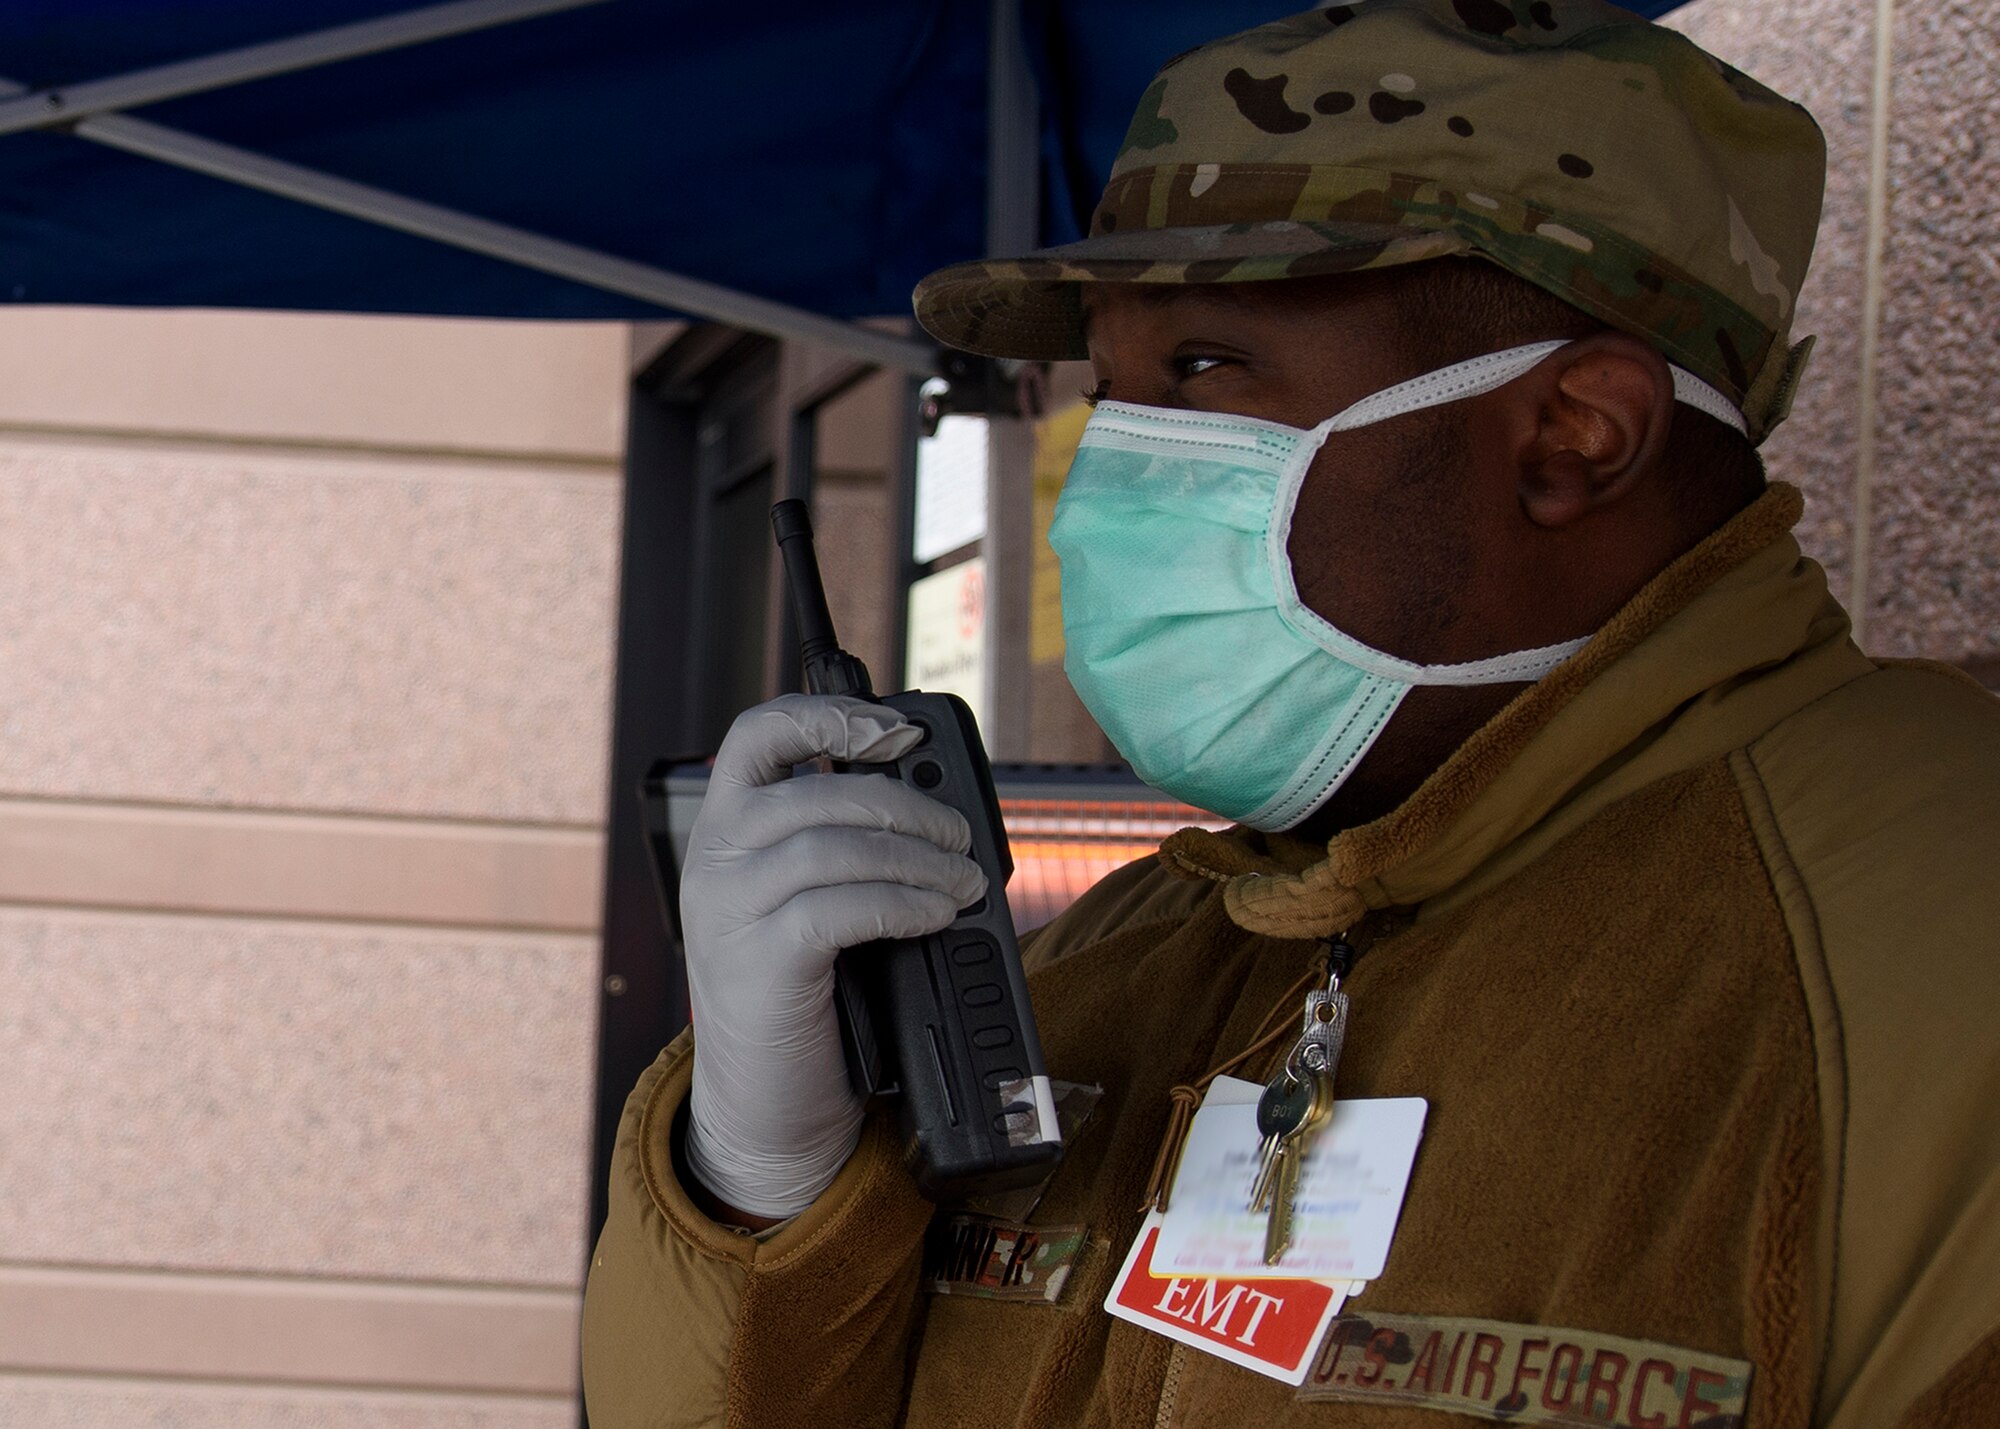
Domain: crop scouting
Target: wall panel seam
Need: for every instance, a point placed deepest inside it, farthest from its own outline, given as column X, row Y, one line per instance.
column 338, row 1390
column 326, row 1332
column 1863, row 496
column 202, row 1276
column 152, row 439
column 443, row 823
column 572, row 939
column 97, row 855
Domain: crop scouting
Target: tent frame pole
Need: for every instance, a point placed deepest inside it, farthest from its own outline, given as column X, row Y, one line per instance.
column 672, row 291
column 90, row 111
column 1013, row 223
column 50, row 108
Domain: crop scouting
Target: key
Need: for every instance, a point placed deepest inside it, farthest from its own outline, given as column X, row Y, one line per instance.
column 1285, row 1106
column 1287, row 1163
column 1284, row 1185
column 1314, row 1059
column 1282, row 1110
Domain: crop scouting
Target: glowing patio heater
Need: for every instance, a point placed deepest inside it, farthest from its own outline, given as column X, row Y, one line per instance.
column 1069, row 825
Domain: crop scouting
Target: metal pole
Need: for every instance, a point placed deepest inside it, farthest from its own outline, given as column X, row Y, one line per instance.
column 903, row 570
column 672, row 291
column 643, row 994
column 806, row 387
column 1861, row 545
column 1013, row 223
column 1013, row 138
column 230, row 67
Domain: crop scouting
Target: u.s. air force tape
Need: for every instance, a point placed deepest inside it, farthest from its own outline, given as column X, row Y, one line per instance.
column 1525, row 1374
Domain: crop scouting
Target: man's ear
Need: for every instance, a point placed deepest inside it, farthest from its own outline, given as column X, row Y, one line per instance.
column 1602, row 410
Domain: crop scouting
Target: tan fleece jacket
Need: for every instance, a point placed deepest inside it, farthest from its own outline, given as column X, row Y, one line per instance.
column 1690, row 951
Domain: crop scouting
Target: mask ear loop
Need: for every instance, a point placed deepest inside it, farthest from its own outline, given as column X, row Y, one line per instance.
column 1448, row 384
column 1432, row 389
column 1703, row 397
column 1496, row 369
column 1451, row 384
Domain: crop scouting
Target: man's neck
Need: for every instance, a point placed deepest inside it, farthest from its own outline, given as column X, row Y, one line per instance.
column 1426, row 730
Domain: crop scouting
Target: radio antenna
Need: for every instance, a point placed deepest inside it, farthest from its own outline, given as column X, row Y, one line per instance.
column 829, row 669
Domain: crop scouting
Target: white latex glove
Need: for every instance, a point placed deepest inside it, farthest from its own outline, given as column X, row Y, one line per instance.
column 781, row 874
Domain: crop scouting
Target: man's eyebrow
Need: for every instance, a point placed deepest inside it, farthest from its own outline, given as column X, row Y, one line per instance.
column 1160, row 295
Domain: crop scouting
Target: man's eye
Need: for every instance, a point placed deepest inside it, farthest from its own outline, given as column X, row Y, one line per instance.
column 1195, row 366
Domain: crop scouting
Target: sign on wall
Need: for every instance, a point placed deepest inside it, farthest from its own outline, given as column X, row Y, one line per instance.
column 951, row 487
column 948, row 634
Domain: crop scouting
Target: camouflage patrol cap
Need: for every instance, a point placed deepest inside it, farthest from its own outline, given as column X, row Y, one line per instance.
column 1603, row 158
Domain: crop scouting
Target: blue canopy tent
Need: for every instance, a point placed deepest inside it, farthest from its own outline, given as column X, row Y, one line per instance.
column 560, row 158
column 782, row 168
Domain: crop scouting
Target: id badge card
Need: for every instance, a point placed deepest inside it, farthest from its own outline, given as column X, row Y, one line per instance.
column 1268, row 1325
column 1348, row 1196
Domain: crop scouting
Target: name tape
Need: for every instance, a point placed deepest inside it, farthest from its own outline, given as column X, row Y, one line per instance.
column 999, row 1260
column 1526, row 1374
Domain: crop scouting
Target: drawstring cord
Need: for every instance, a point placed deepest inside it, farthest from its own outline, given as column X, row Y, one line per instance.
column 1187, row 1098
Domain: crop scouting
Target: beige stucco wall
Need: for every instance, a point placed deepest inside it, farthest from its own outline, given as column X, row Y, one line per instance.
column 1918, row 496
column 307, row 674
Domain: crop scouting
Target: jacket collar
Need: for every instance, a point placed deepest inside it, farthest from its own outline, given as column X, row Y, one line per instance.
column 1721, row 645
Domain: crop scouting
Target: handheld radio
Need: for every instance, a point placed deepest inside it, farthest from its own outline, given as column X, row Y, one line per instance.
column 941, row 1021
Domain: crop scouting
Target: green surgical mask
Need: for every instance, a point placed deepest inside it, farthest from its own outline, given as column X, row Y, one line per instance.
column 1186, row 636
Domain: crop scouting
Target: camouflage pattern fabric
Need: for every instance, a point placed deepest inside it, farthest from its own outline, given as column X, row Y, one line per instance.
column 1603, row 158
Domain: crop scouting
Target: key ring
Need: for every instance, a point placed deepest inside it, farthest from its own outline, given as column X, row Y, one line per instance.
column 1308, row 1056
column 1340, row 960
column 1317, row 1048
